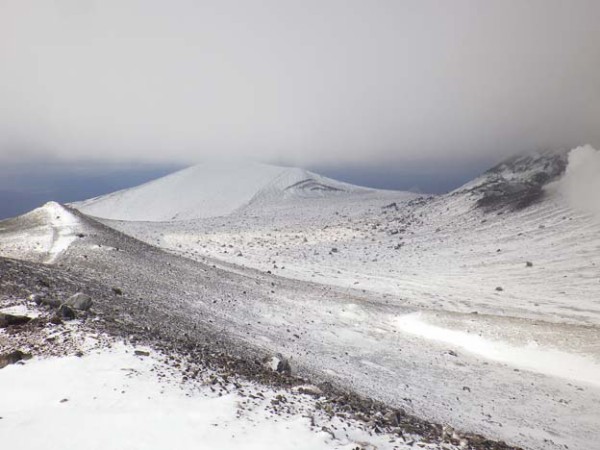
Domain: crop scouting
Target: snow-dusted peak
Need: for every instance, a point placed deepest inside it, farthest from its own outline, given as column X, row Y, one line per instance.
column 210, row 190
column 57, row 214
column 517, row 182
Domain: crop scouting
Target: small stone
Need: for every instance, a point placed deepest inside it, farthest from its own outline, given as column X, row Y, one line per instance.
column 309, row 389
column 278, row 364
column 12, row 358
column 36, row 298
column 65, row 312
column 56, row 320
column 393, row 418
column 283, row 366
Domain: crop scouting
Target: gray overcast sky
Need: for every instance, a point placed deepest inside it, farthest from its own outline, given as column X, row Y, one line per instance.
column 305, row 82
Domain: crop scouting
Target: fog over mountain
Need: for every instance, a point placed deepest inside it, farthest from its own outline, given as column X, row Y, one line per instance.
column 308, row 83
column 300, row 225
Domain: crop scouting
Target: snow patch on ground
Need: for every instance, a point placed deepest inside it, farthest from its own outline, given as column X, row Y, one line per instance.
column 63, row 224
column 20, row 310
column 113, row 398
column 532, row 357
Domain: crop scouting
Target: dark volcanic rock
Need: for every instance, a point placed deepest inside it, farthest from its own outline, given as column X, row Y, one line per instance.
column 8, row 320
column 82, row 302
column 519, row 182
column 48, row 301
column 12, row 358
column 515, row 195
column 283, row 366
column 65, row 312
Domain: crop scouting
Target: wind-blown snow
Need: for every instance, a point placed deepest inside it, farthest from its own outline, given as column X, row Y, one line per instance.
column 532, row 357
column 581, row 182
column 210, row 190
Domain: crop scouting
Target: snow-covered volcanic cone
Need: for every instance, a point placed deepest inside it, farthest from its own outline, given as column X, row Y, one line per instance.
column 211, row 190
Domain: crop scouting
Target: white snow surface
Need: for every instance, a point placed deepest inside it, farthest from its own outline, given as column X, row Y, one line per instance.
column 52, row 233
column 532, row 356
column 112, row 398
column 213, row 189
column 513, row 294
column 20, row 310
column 505, row 341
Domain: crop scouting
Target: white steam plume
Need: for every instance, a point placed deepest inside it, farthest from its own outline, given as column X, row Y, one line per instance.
column 581, row 182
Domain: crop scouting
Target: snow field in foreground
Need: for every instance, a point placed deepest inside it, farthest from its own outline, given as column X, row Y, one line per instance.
column 112, row 398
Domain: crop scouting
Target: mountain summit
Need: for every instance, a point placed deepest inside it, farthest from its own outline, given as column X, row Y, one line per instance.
column 211, row 190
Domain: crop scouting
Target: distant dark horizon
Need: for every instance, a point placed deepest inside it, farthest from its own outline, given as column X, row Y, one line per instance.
column 26, row 186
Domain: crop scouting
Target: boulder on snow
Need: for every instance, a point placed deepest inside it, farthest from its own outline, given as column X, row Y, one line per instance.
column 79, row 301
column 65, row 312
column 8, row 320
column 283, row 366
column 12, row 358
column 278, row 364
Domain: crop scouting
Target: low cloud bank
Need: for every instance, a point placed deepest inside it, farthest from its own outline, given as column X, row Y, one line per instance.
column 581, row 182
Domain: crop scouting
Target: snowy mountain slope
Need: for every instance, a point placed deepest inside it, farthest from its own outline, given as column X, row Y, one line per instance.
column 445, row 252
column 482, row 317
column 521, row 271
column 213, row 189
column 518, row 181
column 250, row 314
column 109, row 393
column 40, row 235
